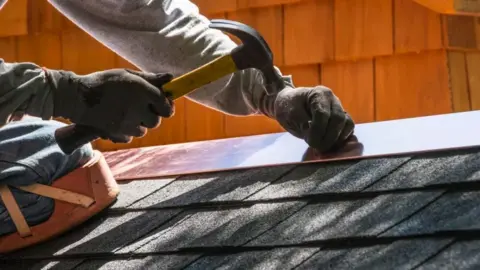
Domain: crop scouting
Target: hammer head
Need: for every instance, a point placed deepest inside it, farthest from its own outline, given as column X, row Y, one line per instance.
column 254, row 52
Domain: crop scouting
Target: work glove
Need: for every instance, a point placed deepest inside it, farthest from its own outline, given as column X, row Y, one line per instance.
column 313, row 114
column 119, row 103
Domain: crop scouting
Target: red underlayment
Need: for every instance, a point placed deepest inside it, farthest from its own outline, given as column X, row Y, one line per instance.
column 386, row 138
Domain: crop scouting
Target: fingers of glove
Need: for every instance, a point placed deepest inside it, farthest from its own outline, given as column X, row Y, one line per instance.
column 150, row 120
column 158, row 102
column 140, row 132
column 298, row 129
column 348, row 128
column 156, row 79
column 152, row 84
column 133, row 128
column 117, row 138
column 320, row 117
column 335, row 126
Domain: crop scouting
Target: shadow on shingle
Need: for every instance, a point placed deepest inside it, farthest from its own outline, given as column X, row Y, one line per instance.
column 251, row 226
column 468, row 251
column 399, row 255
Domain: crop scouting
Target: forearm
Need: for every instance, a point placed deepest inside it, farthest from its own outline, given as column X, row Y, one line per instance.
column 24, row 90
column 168, row 36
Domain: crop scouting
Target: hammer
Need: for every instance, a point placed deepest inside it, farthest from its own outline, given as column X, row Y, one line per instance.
column 254, row 52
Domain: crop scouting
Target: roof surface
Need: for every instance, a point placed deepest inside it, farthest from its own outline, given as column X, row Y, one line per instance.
column 417, row 212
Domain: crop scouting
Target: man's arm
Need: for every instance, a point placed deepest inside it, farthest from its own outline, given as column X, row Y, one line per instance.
column 171, row 35
column 24, row 90
column 168, row 35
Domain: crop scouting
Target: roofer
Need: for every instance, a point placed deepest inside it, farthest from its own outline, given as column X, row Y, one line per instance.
column 164, row 38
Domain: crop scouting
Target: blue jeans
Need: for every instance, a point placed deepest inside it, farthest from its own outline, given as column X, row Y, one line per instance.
column 29, row 154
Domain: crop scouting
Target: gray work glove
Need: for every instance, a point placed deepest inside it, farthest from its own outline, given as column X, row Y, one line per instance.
column 121, row 103
column 314, row 114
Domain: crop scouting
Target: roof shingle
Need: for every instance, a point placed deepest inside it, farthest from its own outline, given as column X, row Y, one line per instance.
column 400, row 212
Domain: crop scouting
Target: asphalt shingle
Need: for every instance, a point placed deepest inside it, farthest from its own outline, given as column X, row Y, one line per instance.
column 339, row 176
column 213, row 187
column 405, row 254
column 433, row 168
column 148, row 262
column 367, row 214
column 46, row 264
column 456, row 211
column 102, row 234
column 216, row 228
column 459, row 255
column 133, row 192
column 345, row 219
column 280, row 258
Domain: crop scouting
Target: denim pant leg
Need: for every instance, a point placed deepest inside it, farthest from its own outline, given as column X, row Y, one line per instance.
column 29, row 154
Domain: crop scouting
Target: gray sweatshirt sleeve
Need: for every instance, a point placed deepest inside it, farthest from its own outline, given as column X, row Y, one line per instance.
column 24, row 90
column 168, row 36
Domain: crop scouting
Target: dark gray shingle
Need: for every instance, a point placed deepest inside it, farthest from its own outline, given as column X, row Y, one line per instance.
column 374, row 199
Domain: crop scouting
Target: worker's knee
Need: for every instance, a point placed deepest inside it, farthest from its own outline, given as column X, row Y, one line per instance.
column 29, row 154
column 29, row 145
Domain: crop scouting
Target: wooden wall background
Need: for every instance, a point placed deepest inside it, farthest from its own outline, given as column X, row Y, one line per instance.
column 385, row 59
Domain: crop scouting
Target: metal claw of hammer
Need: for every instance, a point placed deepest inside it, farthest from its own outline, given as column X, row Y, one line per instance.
column 254, row 52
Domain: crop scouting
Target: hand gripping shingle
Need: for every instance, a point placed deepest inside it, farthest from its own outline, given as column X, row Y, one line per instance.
column 254, row 52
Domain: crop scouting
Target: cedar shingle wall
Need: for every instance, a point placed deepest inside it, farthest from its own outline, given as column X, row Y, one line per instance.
column 385, row 59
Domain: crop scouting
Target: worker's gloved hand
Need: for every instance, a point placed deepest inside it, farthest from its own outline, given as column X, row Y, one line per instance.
column 314, row 114
column 120, row 103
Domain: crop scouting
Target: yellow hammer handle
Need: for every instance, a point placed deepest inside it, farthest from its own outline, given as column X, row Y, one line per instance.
column 201, row 76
